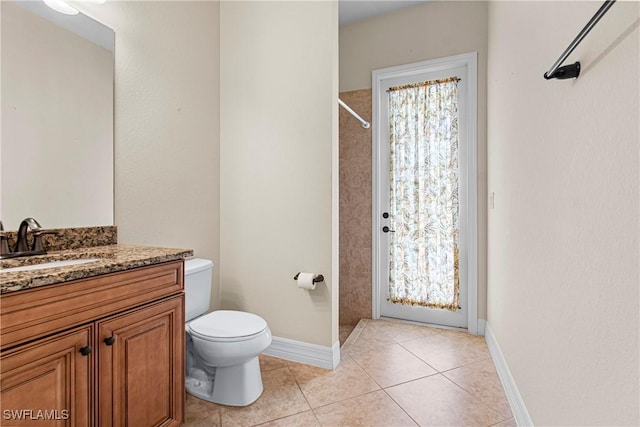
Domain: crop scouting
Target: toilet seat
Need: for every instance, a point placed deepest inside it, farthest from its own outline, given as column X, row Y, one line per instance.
column 227, row 326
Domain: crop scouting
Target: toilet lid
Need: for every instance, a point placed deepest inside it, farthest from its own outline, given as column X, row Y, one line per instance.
column 228, row 324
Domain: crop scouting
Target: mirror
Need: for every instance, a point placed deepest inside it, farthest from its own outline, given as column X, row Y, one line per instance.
column 56, row 151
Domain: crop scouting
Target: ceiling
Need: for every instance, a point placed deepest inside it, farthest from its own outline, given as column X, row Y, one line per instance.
column 356, row 10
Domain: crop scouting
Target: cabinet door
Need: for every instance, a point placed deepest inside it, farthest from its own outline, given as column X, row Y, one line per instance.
column 47, row 382
column 141, row 366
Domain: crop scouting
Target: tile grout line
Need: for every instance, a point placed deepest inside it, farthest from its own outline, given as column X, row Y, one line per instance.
column 366, row 373
column 351, row 397
column 470, row 393
column 342, row 400
column 445, row 370
column 384, row 389
column 300, row 388
column 420, row 358
column 283, row 417
column 449, row 379
column 401, row 407
column 475, row 398
column 402, row 382
column 442, row 374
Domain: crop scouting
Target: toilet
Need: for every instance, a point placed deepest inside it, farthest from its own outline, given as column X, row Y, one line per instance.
column 223, row 346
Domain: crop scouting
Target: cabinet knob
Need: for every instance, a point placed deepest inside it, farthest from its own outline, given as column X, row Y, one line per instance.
column 110, row 340
column 85, row 350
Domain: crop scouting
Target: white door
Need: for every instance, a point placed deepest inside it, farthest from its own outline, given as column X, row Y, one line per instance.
column 421, row 214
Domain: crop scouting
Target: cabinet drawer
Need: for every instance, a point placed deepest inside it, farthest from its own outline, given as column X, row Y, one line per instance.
column 25, row 315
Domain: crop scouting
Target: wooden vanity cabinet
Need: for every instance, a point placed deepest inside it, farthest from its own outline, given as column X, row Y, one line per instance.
column 121, row 366
column 48, row 375
column 140, row 371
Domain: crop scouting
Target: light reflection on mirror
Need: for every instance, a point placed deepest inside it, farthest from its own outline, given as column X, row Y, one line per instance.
column 56, row 150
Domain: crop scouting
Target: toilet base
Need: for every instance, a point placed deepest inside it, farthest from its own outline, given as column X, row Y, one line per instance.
column 239, row 385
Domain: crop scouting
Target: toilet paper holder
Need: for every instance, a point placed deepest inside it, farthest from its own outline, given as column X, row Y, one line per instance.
column 317, row 279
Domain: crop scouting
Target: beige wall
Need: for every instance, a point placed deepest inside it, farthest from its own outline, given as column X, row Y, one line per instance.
column 279, row 157
column 429, row 31
column 563, row 237
column 57, row 124
column 166, row 124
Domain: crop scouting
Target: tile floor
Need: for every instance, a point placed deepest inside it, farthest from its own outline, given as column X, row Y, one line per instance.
column 391, row 374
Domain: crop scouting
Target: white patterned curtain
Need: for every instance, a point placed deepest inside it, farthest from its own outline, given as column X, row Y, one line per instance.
column 423, row 266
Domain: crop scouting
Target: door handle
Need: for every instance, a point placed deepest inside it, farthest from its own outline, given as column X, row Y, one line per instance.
column 386, row 229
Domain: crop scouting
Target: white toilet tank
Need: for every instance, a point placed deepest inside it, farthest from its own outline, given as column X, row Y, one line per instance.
column 197, row 286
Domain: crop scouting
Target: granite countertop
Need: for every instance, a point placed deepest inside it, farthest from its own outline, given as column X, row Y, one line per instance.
column 111, row 259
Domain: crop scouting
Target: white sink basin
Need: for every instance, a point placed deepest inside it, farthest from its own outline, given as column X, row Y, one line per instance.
column 51, row 264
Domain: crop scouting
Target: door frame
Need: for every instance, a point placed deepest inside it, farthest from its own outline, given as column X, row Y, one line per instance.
column 469, row 176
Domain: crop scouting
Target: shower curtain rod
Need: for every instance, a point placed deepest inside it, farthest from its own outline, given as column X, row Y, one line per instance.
column 365, row 124
column 572, row 71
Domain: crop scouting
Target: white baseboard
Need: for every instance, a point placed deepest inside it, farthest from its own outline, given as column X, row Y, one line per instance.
column 302, row 352
column 518, row 408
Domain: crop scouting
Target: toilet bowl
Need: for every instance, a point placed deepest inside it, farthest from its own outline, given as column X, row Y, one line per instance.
column 222, row 346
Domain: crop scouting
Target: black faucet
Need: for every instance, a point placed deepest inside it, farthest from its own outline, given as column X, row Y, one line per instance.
column 21, row 239
column 22, row 245
column 4, row 243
